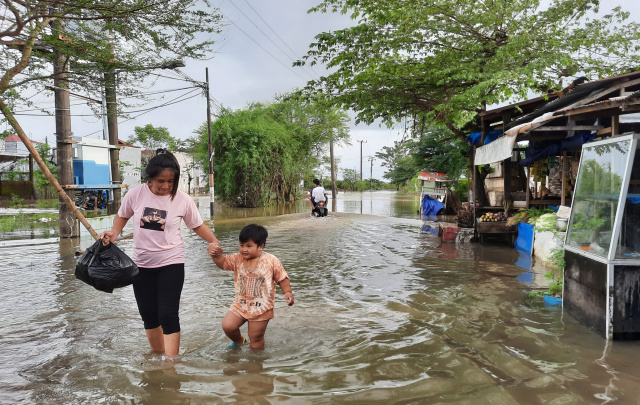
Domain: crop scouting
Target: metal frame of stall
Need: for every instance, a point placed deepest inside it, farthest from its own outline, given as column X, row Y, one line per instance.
column 608, row 308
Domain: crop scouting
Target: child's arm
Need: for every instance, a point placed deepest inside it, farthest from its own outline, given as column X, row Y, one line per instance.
column 215, row 251
column 286, row 288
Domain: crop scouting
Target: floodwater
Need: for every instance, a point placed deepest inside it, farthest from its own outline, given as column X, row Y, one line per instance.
column 384, row 314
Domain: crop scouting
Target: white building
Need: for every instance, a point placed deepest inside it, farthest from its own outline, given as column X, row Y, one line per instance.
column 130, row 164
column 190, row 169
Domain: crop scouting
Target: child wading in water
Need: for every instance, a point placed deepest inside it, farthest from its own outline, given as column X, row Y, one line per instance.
column 255, row 274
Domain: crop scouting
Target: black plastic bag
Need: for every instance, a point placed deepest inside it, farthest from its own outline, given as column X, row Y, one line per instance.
column 106, row 267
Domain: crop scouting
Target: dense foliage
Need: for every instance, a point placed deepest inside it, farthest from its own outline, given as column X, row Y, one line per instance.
column 435, row 149
column 442, row 60
column 262, row 153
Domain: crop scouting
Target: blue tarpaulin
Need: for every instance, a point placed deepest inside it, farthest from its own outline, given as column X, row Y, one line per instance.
column 430, row 206
column 524, row 241
column 476, row 137
column 539, row 151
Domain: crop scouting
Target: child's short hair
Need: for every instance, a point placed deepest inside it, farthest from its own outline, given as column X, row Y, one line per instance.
column 254, row 232
column 316, row 182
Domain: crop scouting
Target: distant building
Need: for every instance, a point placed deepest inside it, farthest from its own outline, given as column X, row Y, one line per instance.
column 190, row 170
column 14, row 154
column 130, row 164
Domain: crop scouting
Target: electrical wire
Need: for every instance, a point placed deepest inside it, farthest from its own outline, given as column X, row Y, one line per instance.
column 266, row 36
column 263, row 48
column 280, row 38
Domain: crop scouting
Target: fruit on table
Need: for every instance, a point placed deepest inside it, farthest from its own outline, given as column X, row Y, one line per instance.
column 493, row 217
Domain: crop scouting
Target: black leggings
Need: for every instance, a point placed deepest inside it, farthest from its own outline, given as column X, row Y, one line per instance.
column 157, row 292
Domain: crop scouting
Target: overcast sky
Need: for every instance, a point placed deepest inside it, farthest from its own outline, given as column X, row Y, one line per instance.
column 252, row 63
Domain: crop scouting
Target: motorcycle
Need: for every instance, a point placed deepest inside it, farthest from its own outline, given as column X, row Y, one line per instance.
column 320, row 210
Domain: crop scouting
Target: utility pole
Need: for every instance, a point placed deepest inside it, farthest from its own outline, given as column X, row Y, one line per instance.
column 361, row 158
column 371, row 175
column 112, row 128
column 333, row 170
column 63, row 138
column 211, row 184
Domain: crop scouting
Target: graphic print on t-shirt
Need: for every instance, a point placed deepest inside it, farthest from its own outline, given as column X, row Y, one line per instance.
column 153, row 219
column 251, row 286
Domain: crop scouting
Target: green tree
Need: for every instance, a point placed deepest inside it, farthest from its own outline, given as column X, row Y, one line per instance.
column 263, row 151
column 437, row 149
column 349, row 178
column 152, row 138
column 42, row 185
column 401, row 165
column 92, row 37
column 443, row 60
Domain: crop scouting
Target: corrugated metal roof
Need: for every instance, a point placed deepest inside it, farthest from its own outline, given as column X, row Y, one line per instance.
column 574, row 95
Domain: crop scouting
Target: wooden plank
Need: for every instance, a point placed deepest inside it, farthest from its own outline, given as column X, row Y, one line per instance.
column 569, row 128
column 598, row 107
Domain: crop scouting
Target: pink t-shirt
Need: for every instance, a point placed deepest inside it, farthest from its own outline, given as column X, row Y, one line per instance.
column 255, row 285
column 156, row 225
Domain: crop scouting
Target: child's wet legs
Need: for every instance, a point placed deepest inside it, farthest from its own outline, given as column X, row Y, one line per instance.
column 231, row 324
column 256, row 333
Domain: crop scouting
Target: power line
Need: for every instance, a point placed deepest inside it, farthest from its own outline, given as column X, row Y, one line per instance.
column 280, row 38
column 269, row 53
column 265, row 35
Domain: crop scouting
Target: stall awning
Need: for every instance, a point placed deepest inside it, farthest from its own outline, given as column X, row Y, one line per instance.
column 433, row 176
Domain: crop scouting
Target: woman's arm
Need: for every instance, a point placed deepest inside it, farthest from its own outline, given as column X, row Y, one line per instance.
column 205, row 233
column 118, row 225
column 215, row 251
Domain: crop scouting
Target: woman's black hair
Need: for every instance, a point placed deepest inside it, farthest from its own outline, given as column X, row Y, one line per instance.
column 164, row 160
column 256, row 233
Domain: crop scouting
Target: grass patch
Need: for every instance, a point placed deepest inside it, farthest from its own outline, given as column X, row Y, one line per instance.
column 46, row 204
column 27, row 222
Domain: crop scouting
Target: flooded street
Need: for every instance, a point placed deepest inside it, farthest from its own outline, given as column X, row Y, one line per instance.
column 384, row 314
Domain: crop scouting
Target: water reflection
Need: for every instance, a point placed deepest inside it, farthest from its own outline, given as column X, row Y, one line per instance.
column 383, row 314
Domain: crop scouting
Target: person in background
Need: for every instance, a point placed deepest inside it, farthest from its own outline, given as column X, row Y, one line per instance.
column 158, row 209
column 255, row 273
column 318, row 194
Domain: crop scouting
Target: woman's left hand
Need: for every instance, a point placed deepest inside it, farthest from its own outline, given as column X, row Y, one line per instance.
column 214, row 250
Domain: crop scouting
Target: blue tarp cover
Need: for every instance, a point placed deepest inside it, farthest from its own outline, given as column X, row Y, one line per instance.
column 524, row 241
column 430, row 206
column 476, row 137
column 539, row 151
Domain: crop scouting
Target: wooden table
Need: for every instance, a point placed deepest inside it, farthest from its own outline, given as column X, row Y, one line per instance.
column 495, row 228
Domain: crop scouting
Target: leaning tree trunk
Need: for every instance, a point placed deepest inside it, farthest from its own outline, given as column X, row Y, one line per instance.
column 45, row 170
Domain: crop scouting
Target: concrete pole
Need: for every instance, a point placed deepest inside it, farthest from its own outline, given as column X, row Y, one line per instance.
column 361, row 158
column 211, row 183
column 114, row 151
column 333, row 170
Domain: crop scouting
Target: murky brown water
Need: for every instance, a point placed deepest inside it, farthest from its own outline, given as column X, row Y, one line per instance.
column 383, row 315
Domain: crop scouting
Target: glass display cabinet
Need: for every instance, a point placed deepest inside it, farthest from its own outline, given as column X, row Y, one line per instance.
column 602, row 246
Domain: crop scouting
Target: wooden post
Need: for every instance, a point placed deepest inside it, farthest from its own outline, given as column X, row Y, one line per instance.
column 615, row 125
column 506, row 164
column 45, row 170
column 528, row 188
column 564, row 177
column 33, row 187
